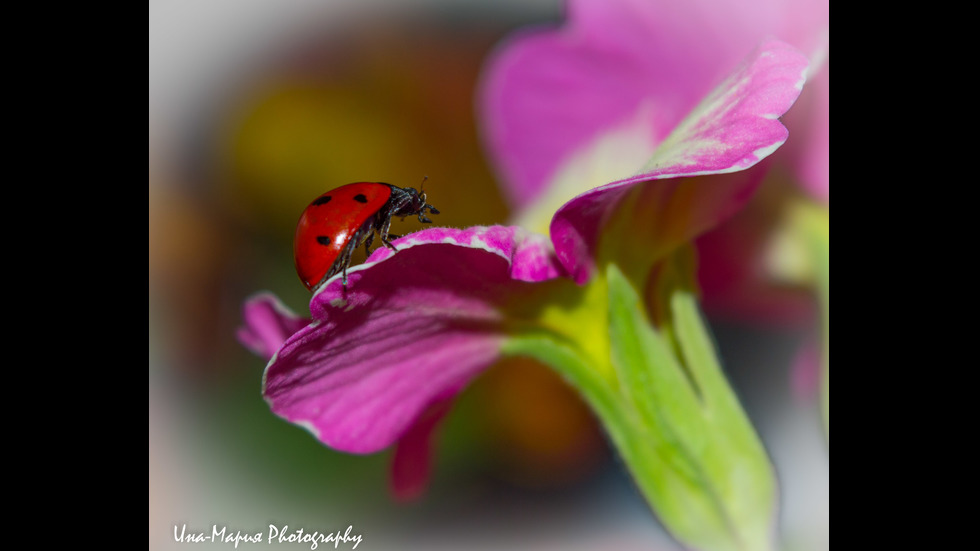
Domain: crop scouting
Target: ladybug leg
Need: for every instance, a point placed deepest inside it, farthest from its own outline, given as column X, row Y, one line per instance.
column 363, row 235
column 345, row 259
column 384, row 234
column 342, row 262
column 367, row 243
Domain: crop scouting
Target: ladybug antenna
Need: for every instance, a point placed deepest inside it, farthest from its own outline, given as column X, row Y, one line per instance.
column 425, row 204
column 422, row 189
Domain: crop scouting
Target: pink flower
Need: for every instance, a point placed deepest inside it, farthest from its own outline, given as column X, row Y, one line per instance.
column 382, row 357
column 624, row 142
column 571, row 110
column 640, row 65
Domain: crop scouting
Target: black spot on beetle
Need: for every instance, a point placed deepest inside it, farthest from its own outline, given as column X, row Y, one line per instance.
column 360, row 198
column 323, row 239
column 321, row 200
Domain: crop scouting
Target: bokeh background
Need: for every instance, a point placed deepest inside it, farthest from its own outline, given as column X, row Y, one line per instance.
column 255, row 108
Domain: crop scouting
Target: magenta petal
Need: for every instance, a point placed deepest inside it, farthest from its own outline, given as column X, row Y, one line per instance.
column 737, row 125
column 576, row 228
column 810, row 145
column 268, row 323
column 412, row 328
column 411, row 464
column 731, row 274
column 550, row 92
column 733, row 129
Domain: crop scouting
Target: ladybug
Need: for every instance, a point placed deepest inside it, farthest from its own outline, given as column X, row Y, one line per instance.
column 340, row 220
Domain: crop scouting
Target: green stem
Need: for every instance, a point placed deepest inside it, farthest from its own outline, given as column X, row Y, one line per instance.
column 670, row 413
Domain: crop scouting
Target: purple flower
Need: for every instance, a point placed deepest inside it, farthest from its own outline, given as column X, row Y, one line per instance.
column 623, row 136
column 635, row 65
column 599, row 148
column 737, row 278
column 382, row 357
column 411, row 329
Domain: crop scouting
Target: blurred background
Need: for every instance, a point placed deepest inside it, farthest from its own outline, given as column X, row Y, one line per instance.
column 255, row 108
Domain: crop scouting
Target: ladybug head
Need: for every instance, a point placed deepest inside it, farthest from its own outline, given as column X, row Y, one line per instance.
column 420, row 206
column 411, row 202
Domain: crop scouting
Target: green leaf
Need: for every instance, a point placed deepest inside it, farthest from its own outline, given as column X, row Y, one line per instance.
column 704, row 470
column 733, row 457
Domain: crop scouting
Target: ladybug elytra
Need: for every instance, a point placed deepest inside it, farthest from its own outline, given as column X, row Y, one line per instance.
column 339, row 221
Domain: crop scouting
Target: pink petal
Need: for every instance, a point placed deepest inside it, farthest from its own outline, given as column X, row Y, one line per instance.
column 411, row 464
column 734, row 278
column 548, row 93
column 733, row 129
column 809, row 148
column 268, row 323
column 411, row 328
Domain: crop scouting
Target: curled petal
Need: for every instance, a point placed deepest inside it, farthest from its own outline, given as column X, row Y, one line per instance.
column 549, row 93
column 268, row 323
column 737, row 125
column 410, row 329
column 733, row 129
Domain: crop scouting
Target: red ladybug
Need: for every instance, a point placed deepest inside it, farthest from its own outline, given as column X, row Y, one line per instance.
column 341, row 219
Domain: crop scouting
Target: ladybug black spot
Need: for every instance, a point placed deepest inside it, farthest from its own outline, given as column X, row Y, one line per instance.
column 323, row 239
column 360, row 198
column 321, row 200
